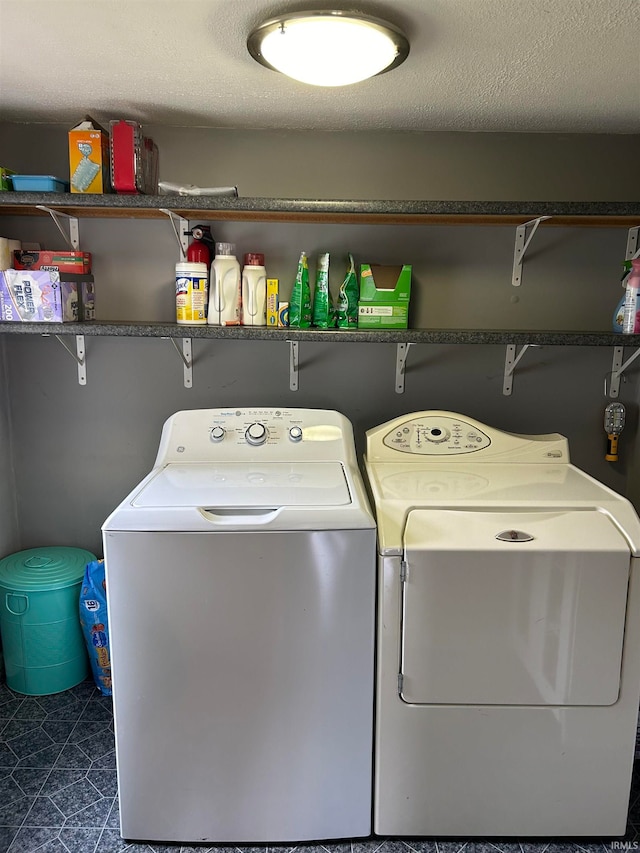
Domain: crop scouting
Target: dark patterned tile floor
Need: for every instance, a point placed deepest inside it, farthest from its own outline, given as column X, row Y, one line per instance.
column 58, row 791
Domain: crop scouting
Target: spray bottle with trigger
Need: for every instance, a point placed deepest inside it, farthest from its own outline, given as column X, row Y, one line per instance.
column 199, row 251
column 614, row 417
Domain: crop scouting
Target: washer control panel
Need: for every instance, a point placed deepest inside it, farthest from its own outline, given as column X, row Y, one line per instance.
column 436, row 435
column 256, row 427
column 269, row 434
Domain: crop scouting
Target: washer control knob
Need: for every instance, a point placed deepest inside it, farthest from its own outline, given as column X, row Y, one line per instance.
column 295, row 433
column 216, row 433
column 256, row 434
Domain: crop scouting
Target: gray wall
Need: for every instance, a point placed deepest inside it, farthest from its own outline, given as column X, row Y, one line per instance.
column 78, row 450
column 8, row 508
column 369, row 165
column 461, row 276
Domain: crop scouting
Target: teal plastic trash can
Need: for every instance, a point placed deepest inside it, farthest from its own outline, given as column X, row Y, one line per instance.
column 42, row 642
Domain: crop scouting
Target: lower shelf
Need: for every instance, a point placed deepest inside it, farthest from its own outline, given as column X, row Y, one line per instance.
column 262, row 333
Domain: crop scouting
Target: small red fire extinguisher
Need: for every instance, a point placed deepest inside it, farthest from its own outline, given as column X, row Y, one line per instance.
column 199, row 251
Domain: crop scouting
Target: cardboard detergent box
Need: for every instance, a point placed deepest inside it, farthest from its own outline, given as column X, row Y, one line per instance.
column 384, row 296
column 77, row 263
column 272, row 302
column 89, row 157
column 37, row 296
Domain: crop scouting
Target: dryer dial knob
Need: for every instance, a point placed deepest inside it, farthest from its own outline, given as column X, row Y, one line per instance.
column 217, row 433
column 295, row 433
column 256, row 434
column 436, row 435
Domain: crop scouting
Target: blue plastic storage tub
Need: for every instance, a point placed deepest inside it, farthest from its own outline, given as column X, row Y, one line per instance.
column 39, row 184
column 42, row 641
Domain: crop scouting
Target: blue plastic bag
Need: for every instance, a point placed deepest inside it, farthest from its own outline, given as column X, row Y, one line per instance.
column 95, row 624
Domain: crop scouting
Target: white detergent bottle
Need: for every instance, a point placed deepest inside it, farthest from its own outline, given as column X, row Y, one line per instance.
column 225, row 289
column 254, row 291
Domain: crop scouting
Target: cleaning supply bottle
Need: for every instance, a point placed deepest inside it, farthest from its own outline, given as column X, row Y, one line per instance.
column 192, row 293
column 254, row 291
column 631, row 321
column 225, row 287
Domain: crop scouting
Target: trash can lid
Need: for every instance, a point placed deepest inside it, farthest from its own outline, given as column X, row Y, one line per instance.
column 44, row 568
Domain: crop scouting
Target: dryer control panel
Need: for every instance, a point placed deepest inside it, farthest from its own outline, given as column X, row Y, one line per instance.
column 436, row 435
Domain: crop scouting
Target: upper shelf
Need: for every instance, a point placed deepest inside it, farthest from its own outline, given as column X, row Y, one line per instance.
column 595, row 214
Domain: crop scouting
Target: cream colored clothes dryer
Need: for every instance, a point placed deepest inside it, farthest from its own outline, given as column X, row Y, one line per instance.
column 508, row 671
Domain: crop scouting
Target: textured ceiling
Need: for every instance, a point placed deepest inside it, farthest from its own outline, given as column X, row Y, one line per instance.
column 474, row 65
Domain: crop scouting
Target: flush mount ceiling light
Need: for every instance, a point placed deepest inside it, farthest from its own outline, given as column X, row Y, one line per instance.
column 328, row 48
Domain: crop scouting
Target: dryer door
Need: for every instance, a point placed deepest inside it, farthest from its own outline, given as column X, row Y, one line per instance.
column 533, row 617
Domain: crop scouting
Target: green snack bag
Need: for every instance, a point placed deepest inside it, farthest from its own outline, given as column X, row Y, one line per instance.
column 323, row 317
column 300, row 302
column 347, row 309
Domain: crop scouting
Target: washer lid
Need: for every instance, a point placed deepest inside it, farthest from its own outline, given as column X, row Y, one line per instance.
column 246, row 484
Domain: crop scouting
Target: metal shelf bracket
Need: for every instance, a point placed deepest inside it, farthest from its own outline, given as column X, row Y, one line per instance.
column 293, row 365
column 402, row 351
column 186, row 359
column 521, row 246
column 79, row 356
column 618, row 367
column 511, row 360
column 73, row 238
column 179, row 230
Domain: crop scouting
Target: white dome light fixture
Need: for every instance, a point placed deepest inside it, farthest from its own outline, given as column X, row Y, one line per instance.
column 330, row 48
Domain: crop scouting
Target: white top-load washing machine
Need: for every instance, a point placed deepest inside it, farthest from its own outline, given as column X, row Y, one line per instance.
column 508, row 668
column 241, row 594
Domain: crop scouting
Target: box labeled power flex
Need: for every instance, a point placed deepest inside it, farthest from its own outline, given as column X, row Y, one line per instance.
column 37, row 296
column 384, row 296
